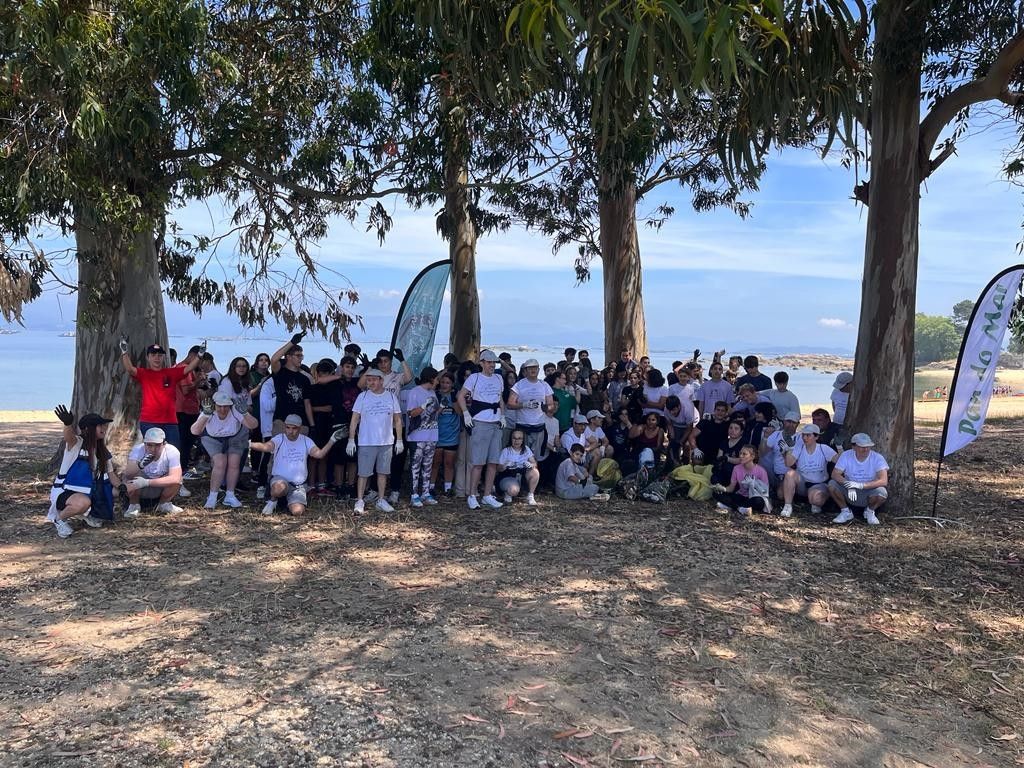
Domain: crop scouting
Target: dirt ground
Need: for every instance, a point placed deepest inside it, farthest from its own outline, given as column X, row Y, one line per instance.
column 582, row 635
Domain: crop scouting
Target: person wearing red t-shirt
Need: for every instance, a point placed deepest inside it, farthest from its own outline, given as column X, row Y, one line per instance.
column 159, row 385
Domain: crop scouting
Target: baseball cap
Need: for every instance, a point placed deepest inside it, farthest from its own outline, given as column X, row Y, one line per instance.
column 792, row 416
column 155, row 349
column 154, row 435
column 842, row 380
column 293, row 419
column 863, row 440
column 579, row 418
column 810, row 429
column 531, row 363
column 374, row 372
column 488, row 357
column 595, row 414
column 222, row 398
column 576, row 448
column 92, row 420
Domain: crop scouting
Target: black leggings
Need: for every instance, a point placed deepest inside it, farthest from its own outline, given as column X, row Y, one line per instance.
column 735, row 501
column 185, row 422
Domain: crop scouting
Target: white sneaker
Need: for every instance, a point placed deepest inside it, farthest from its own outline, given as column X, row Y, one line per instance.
column 870, row 517
column 745, row 511
column 132, row 512
column 723, row 507
column 530, row 501
column 63, row 528
column 92, row 522
column 815, row 509
column 600, row 497
column 473, row 503
column 211, row 501
column 270, row 507
column 383, row 506
column 184, row 492
column 787, row 511
column 846, row 516
column 507, row 499
column 360, row 507
column 168, row 509
column 491, row 502
column 393, row 497
column 261, row 493
column 428, row 499
column 230, row 500
column 416, row 501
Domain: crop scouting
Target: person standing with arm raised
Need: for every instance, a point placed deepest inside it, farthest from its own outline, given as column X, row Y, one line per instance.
column 158, row 384
column 291, row 386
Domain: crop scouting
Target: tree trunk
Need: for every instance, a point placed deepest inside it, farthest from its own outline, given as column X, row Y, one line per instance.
column 624, row 324
column 118, row 293
column 882, row 401
column 464, row 333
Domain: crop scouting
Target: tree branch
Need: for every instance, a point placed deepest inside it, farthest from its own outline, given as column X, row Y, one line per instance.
column 992, row 86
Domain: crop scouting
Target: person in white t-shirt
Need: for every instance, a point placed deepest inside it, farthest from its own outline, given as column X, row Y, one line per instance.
column 291, row 449
column 153, row 472
column 714, row 390
column 841, row 389
column 859, row 479
column 775, row 444
column 530, row 398
column 224, row 426
column 392, row 381
column 655, row 392
column 484, row 416
column 808, row 471
column 517, row 467
column 376, row 434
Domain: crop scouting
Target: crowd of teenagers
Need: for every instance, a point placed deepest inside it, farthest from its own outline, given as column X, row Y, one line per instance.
column 369, row 431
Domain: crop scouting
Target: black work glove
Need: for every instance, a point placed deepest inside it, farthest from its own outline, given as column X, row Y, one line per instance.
column 364, row 360
column 67, row 417
column 696, row 354
column 297, row 338
column 398, row 355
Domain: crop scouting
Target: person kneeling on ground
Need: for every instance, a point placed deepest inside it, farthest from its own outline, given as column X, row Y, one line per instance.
column 224, row 427
column 83, row 482
column 808, row 473
column 748, row 487
column 291, row 449
column 518, row 466
column 153, row 472
column 573, row 481
column 859, row 480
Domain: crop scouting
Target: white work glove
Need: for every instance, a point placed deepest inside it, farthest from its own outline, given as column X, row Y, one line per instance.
column 467, row 419
column 501, row 421
column 853, row 485
column 718, row 488
column 138, row 483
column 339, row 434
column 122, row 344
column 784, row 447
column 697, row 454
column 350, row 449
column 399, row 446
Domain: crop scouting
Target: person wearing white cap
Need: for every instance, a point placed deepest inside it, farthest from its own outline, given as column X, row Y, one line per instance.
column 153, row 472
column 576, row 435
column 375, row 435
column 776, row 443
column 531, row 397
column 595, row 436
column 841, row 396
column 291, row 450
column 859, row 479
column 484, row 415
column 224, row 426
column 808, row 471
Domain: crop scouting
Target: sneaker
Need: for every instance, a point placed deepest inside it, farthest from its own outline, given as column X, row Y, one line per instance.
column 63, row 528
column 270, row 507
column 383, row 506
column 723, row 507
column 787, row 511
column 600, row 497
column 184, row 492
column 491, row 502
column 370, row 497
column 132, row 512
column 870, row 517
column 168, row 509
column 415, row 500
column 230, row 500
column 473, row 503
column 845, row 517
column 93, row 522
column 530, row 501
column 261, row 493
column 393, row 497
column 449, row 493
column 211, row 501
column 192, row 474
column 428, row 499
column 815, row 509
column 360, row 507
column 508, row 499
column 746, row 511
column 52, row 515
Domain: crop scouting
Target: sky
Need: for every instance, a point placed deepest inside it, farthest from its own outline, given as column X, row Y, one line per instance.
column 787, row 278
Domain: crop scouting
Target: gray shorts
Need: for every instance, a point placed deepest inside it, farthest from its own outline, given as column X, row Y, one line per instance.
column 371, row 457
column 293, row 494
column 485, row 443
column 862, row 495
column 235, row 444
column 803, row 489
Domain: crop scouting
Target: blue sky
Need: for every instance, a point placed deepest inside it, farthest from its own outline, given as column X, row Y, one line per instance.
column 786, row 277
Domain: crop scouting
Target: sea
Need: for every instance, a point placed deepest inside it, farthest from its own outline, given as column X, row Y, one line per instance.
column 37, row 367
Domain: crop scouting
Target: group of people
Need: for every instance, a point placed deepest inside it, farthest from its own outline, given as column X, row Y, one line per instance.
column 486, row 430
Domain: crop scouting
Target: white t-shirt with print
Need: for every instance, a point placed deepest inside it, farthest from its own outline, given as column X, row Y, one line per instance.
column 421, row 397
column 290, row 457
column 686, row 411
column 393, row 382
column 376, row 417
column 162, row 465
column 840, row 400
column 861, row 471
column 485, row 389
column 227, row 427
column 813, row 466
column 531, row 392
column 513, row 459
column 242, row 398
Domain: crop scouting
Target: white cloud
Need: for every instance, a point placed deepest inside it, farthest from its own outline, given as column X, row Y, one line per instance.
column 388, row 294
column 833, row 322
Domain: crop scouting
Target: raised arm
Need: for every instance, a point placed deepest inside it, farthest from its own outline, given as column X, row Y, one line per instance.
column 275, row 359
column 68, row 420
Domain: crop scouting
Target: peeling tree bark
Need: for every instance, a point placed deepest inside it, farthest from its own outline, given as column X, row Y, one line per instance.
column 624, row 323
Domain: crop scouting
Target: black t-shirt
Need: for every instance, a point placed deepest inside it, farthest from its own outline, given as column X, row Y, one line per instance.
column 344, row 397
column 712, row 433
column 320, row 394
column 292, row 389
column 760, row 382
column 618, row 436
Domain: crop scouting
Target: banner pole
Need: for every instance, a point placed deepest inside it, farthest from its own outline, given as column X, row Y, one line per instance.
column 935, row 497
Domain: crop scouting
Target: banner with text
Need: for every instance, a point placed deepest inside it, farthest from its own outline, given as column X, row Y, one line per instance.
column 416, row 323
column 979, row 355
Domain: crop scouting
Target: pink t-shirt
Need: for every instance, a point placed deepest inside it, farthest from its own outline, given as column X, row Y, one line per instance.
column 739, row 474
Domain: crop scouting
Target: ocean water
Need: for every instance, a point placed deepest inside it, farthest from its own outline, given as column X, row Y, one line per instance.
column 37, row 367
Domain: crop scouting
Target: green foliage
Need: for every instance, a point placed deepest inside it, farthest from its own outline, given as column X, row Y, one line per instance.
column 961, row 315
column 935, row 338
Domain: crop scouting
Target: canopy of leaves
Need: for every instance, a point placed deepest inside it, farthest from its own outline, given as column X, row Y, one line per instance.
column 935, row 338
